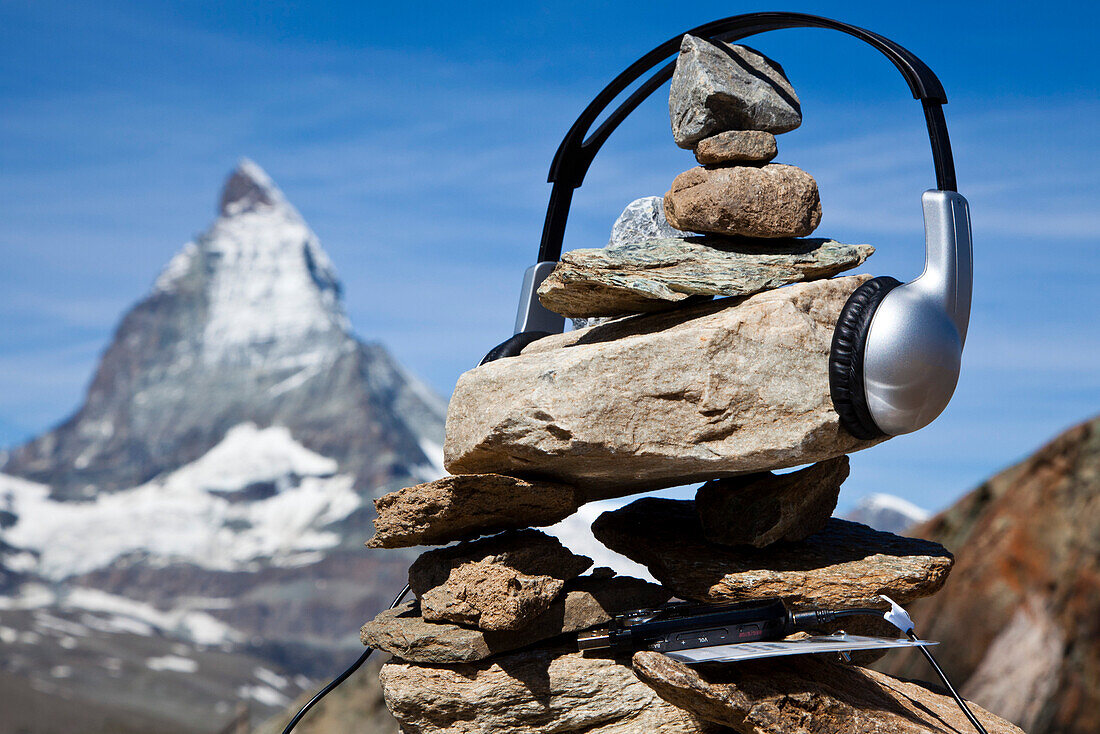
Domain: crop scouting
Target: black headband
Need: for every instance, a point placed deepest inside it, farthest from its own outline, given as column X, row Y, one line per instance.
column 576, row 152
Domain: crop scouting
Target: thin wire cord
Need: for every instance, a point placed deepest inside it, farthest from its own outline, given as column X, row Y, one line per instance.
column 943, row 676
column 342, row 677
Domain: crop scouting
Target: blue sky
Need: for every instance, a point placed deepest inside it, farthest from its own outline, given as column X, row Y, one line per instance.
column 415, row 139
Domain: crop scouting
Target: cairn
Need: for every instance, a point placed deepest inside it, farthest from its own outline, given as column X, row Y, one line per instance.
column 686, row 389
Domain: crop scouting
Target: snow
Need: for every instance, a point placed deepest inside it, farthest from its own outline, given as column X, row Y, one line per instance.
column 879, row 501
column 172, row 663
column 263, row 694
column 177, row 518
column 134, row 617
column 434, row 451
column 271, row 284
column 270, row 677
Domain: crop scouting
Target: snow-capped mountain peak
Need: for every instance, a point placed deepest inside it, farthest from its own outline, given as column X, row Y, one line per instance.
column 244, row 325
column 249, row 188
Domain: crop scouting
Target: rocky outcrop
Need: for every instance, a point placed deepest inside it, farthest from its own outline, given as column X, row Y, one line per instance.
column 736, row 146
column 734, row 386
column 533, row 692
column 748, row 201
column 497, row 583
column 844, row 565
column 807, row 695
column 719, row 86
column 586, row 602
column 1019, row 619
column 761, row 509
column 466, row 506
column 654, row 275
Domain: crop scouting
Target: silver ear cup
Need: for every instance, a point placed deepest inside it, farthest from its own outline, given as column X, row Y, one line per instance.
column 914, row 343
column 911, row 361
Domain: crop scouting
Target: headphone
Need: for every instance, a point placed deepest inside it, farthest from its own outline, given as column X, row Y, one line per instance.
column 897, row 348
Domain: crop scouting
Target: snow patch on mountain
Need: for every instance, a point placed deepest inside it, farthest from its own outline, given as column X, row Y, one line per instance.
column 887, row 512
column 257, row 495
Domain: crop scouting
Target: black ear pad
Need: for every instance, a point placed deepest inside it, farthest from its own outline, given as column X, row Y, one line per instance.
column 846, row 357
column 512, row 346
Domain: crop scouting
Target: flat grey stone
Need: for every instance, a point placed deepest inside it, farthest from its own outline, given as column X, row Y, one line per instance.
column 654, row 275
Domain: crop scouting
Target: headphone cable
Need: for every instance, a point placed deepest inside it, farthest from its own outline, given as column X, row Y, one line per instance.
column 340, row 678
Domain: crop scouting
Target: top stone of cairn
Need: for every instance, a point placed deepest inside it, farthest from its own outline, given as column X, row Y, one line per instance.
column 719, row 86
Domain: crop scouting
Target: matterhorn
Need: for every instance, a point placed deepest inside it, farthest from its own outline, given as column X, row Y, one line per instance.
column 215, row 487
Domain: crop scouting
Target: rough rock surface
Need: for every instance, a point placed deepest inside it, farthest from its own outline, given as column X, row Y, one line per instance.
column 724, row 388
column 653, row 275
column 775, row 200
column 466, row 506
column 642, row 219
column 808, row 695
column 845, row 565
column 1019, row 618
column 497, row 583
column 720, row 86
column 587, row 601
column 533, row 692
column 761, row 509
column 736, row 146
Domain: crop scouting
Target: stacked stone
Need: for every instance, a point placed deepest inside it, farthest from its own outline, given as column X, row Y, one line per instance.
column 723, row 392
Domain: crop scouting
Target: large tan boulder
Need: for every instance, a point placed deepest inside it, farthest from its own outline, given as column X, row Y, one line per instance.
column 725, row 388
column 775, row 200
column 531, row 692
column 806, row 694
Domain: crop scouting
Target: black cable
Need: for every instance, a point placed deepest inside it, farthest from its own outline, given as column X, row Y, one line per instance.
column 818, row 617
column 943, row 676
column 340, row 678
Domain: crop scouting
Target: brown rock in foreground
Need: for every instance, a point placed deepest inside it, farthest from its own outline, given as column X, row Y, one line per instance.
column 653, row 275
column 808, row 695
column 1019, row 619
column 587, row 601
column 466, row 506
column 724, row 388
column 531, row 692
column 761, row 509
column 775, row 200
column 736, row 146
column 497, row 583
column 844, row 565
